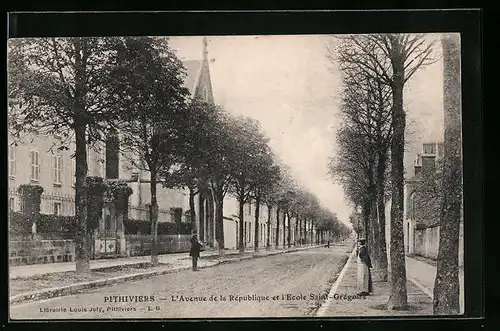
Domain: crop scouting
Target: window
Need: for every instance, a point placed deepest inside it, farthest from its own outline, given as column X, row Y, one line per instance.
column 249, row 207
column 176, row 215
column 58, row 166
column 12, row 204
column 112, row 156
column 73, row 172
column 35, row 165
column 57, row 208
column 430, row 149
column 12, row 161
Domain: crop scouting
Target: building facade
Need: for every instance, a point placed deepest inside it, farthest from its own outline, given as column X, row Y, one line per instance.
column 422, row 204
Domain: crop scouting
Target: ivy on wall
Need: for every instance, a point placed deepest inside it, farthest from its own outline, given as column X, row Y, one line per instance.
column 120, row 192
column 96, row 187
column 30, row 200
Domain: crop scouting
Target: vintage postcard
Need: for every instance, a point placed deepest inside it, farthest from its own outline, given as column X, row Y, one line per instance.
column 235, row 176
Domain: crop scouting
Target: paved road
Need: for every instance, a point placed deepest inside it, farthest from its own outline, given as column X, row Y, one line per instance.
column 300, row 275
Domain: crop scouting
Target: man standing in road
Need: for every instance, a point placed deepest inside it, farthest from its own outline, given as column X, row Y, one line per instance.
column 365, row 286
column 195, row 251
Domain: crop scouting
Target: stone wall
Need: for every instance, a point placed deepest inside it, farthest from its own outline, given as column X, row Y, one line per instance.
column 140, row 245
column 41, row 251
column 427, row 243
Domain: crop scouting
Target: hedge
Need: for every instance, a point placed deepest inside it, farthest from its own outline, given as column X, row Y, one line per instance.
column 56, row 223
column 144, row 227
column 20, row 224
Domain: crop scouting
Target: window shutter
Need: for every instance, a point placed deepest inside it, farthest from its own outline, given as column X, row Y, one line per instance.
column 32, row 162
column 14, row 160
column 54, row 165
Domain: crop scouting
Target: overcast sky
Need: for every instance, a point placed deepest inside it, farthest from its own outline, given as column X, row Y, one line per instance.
column 288, row 84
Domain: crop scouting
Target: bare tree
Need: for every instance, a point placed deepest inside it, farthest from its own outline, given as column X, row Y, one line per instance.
column 392, row 59
column 446, row 285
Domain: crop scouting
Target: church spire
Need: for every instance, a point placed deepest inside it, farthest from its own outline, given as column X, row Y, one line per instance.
column 205, row 51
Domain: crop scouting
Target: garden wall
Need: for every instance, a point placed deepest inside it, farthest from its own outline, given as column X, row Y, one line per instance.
column 140, row 245
column 41, row 251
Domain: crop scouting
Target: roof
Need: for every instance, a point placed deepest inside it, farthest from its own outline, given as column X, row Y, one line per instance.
column 193, row 68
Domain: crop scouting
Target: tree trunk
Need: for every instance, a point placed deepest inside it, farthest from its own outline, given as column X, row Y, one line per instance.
column 366, row 221
column 398, row 299
column 257, row 213
column 305, row 232
column 299, row 221
column 289, row 235
column 375, row 237
column 192, row 213
column 241, row 240
column 201, row 217
column 296, row 233
column 268, row 241
column 312, row 233
column 277, row 239
column 447, row 285
column 154, row 220
column 81, row 237
column 284, row 230
column 219, row 220
column 381, row 167
column 210, row 215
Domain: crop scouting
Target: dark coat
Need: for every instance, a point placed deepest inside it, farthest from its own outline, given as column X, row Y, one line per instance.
column 363, row 255
column 195, row 248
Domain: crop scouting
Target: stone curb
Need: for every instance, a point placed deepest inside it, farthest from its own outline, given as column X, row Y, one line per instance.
column 75, row 288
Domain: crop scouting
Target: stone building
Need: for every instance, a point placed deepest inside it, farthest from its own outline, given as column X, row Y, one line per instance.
column 422, row 204
column 421, row 200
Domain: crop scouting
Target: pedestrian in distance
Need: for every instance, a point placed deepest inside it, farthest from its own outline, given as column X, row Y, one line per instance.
column 328, row 244
column 365, row 286
column 196, row 248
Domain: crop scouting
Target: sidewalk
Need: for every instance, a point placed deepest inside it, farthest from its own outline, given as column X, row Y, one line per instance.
column 46, row 268
column 423, row 274
column 345, row 302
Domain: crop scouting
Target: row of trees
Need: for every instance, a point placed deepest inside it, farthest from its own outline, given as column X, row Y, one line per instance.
column 371, row 141
column 130, row 90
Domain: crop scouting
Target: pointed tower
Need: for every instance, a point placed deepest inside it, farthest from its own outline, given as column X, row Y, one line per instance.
column 204, row 85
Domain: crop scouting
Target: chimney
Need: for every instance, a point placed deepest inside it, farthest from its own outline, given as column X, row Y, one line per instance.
column 417, row 165
column 428, row 164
